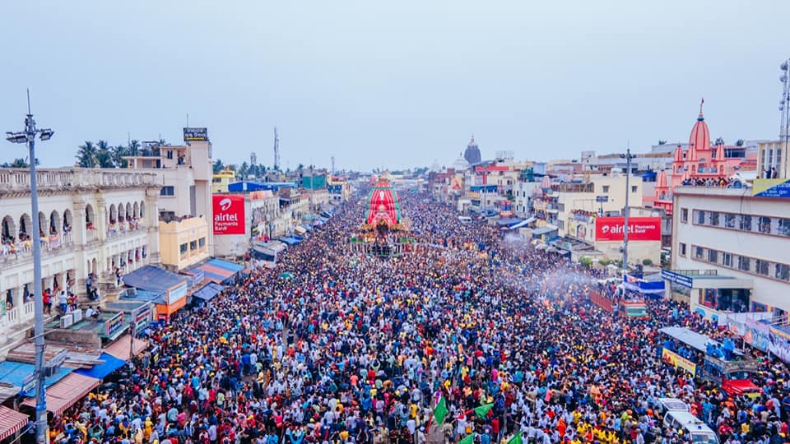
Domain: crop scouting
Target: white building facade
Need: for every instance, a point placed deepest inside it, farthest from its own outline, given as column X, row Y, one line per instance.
column 92, row 221
column 738, row 235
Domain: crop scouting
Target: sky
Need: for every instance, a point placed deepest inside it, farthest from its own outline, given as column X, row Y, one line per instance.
column 391, row 84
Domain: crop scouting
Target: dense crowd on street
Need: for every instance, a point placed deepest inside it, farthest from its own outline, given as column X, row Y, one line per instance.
column 360, row 349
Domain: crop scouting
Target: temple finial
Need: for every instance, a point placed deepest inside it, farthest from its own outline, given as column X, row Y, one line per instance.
column 702, row 102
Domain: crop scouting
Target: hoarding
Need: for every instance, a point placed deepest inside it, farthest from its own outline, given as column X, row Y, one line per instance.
column 195, row 134
column 639, row 228
column 228, row 214
column 676, row 360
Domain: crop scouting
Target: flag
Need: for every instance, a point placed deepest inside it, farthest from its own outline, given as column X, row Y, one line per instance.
column 440, row 412
column 483, row 410
column 470, row 439
column 516, row 439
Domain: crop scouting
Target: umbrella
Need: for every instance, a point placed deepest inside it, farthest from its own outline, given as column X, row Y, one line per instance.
column 286, row 275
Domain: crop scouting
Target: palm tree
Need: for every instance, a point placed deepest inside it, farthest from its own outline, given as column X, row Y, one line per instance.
column 118, row 153
column 218, row 166
column 104, row 158
column 134, row 148
column 105, row 154
column 244, row 170
column 86, row 155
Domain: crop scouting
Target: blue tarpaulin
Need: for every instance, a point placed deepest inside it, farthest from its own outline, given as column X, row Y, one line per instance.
column 14, row 373
column 153, row 279
column 208, row 292
column 290, row 240
column 101, row 371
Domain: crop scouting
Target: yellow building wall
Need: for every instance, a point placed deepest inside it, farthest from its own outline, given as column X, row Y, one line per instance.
column 176, row 233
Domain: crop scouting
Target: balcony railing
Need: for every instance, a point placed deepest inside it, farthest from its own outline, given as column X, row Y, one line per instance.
column 18, row 179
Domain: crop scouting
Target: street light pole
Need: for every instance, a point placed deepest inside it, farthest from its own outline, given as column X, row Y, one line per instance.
column 627, row 211
column 28, row 136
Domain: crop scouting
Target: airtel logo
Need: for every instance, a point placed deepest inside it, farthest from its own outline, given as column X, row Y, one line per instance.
column 224, row 204
column 605, row 229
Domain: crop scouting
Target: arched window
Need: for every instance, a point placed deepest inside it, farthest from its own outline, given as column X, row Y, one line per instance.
column 90, row 217
column 128, row 213
column 8, row 229
column 142, row 210
column 25, row 225
column 67, row 221
column 113, row 214
column 54, row 222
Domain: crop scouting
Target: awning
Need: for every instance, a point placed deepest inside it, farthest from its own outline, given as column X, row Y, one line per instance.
column 300, row 230
column 219, row 271
column 523, row 223
column 66, row 393
column 11, row 422
column 101, row 371
column 208, row 292
column 122, row 348
column 153, row 279
column 15, row 373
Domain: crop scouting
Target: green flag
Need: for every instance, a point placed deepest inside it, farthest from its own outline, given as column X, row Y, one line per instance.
column 470, row 439
column 440, row 412
column 483, row 410
column 516, row 439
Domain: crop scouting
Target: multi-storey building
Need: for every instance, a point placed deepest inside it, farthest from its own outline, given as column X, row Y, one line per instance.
column 731, row 232
column 185, row 175
column 95, row 222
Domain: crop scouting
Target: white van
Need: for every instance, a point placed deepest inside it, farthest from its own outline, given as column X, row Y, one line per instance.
column 672, row 405
column 691, row 426
column 465, row 219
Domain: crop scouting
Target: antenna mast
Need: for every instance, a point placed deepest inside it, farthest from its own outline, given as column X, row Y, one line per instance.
column 276, row 150
column 333, row 165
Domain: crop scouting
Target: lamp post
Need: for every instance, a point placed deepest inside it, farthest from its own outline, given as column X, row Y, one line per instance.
column 28, row 136
column 628, row 158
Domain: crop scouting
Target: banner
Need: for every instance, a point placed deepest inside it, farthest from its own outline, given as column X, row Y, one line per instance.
column 771, row 188
column 114, row 324
column 676, row 360
column 639, row 228
column 228, row 214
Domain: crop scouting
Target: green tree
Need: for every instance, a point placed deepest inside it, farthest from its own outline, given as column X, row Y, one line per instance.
column 218, row 166
column 133, row 148
column 87, row 155
column 244, row 171
column 104, row 158
column 18, row 163
column 118, row 153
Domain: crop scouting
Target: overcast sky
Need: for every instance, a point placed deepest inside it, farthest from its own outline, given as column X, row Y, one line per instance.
column 392, row 84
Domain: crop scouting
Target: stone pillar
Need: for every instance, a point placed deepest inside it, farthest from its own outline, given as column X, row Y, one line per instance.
column 152, row 224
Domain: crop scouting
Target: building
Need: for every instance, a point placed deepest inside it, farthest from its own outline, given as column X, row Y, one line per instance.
column 589, row 214
column 700, row 162
column 472, row 153
column 221, row 180
column 185, row 174
column 92, row 221
column 772, row 157
column 183, row 242
column 729, row 232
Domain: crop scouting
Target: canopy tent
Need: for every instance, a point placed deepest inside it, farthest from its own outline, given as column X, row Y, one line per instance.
column 66, row 393
column 208, row 292
column 286, row 275
column 101, row 371
column 11, row 422
column 153, row 279
column 523, row 223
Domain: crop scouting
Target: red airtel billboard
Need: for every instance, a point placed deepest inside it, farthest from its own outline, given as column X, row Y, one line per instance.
column 639, row 228
column 228, row 214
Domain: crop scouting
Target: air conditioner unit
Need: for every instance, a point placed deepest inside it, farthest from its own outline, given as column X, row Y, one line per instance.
column 66, row 321
column 76, row 315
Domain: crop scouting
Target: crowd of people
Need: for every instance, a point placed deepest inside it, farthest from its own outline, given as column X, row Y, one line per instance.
column 360, row 349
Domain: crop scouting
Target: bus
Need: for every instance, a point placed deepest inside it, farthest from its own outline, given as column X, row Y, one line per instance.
column 707, row 359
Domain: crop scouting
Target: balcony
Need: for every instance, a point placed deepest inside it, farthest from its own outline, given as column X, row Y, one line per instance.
column 22, row 251
column 122, row 228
